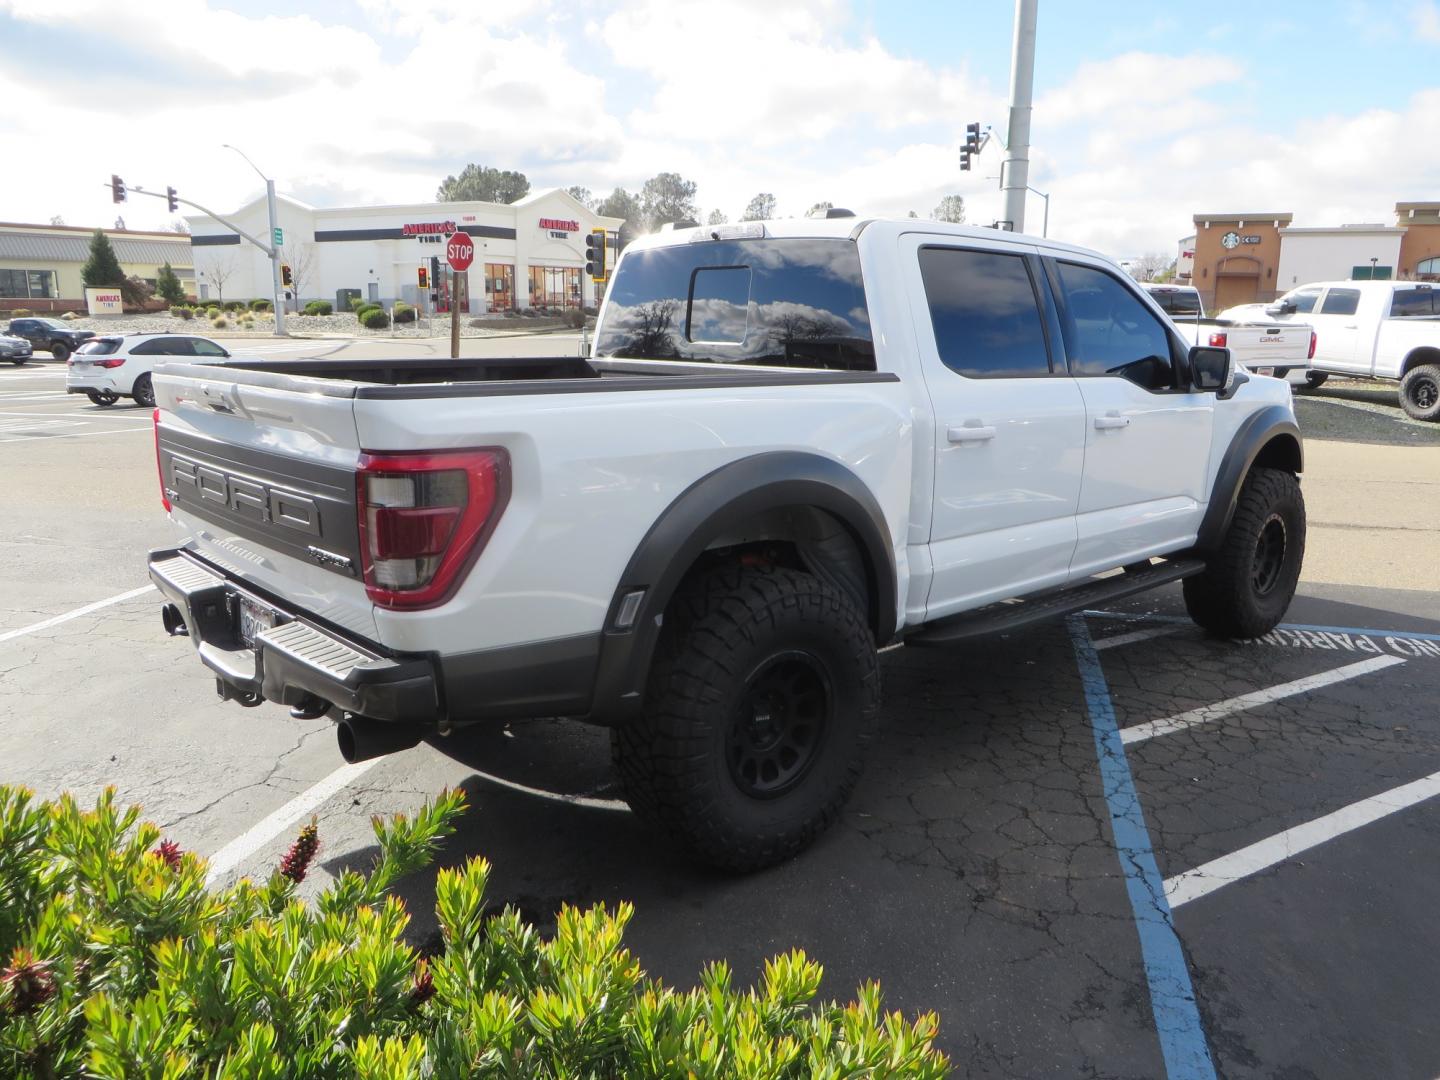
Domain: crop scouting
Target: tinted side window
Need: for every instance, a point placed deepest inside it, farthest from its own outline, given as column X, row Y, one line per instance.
column 147, row 348
column 786, row 302
column 1415, row 302
column 1304, row 300
column 206, row 347
column 1109, row 332
column 985, row 313
column 1341, row 302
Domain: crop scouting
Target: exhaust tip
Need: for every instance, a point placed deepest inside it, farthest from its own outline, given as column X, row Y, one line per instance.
column 361, row 738
column 173, row 621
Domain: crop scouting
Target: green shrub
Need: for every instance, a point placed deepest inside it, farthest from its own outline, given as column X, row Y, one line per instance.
column 182, row 313
column 234, row 305
column 219, row 322
column 319, row 307
column 212, row 309
column 404, row 313
column 374, row 318
column 260, row 305
column 21, row 313
column 357, row 302
column 119, row 962
column 573, row 318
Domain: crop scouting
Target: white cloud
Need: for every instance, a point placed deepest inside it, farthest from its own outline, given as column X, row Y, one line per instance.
column 1427, row 19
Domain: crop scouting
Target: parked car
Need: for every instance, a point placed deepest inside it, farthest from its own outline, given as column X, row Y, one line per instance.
column 796, row 442
column 1259, row 344
column 1372, row 329
column 16, row 350
column 49, row 335
column 105, row 369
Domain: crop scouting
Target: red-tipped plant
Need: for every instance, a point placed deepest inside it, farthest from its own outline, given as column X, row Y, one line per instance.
column 297, row 860
column 423, row 989
column 31, row 982
column 169, row 852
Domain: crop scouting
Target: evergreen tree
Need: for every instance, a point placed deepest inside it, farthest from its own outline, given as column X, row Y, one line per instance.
column 102, row 268
column 167, row 284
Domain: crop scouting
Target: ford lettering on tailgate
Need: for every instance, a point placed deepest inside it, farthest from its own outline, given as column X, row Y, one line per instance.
column 249, row 499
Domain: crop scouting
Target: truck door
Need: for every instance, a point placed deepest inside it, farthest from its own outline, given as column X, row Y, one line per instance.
column 1337, row 332
column 1009, row 429
column 1147, row 435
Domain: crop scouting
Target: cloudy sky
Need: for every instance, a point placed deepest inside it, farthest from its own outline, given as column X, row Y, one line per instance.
column 1145, row 113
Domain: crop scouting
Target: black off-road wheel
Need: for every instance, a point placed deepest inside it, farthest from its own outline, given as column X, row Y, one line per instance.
column 762, row 697
column 1248, row 585
column 1420, row 392
column 143, row 391
column 60, row 351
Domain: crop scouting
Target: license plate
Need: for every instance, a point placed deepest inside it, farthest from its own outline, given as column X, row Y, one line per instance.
column 1264, row 371
column 255, row 619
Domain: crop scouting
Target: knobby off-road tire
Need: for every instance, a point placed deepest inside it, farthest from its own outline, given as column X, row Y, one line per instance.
column 143, row 391
column 760, row 703
column 60, row 352
column 1251, row 579
column 1420, row 392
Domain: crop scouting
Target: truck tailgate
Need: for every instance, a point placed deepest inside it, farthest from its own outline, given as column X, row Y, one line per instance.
column 261, row 482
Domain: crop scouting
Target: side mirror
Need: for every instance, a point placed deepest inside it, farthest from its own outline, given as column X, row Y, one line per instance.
column 1282, row 307
column 1209, row 368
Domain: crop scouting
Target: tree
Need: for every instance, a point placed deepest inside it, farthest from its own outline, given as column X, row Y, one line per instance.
column 135, row 293
column 951, row 209
column 820, row 208
column 581, row 195
column 181, row 226
column 221, row 270
column 57, row 220
column 912, row 214
column 167, row 284
column 621, row 204
column 102, row 268
column 484, row 184
column 760, row 208
column 667, row 196
column 300, row 258
column 717, row 217
column 1148, row 265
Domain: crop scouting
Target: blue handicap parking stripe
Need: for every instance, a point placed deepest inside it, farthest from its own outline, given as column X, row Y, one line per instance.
column 1172, row 997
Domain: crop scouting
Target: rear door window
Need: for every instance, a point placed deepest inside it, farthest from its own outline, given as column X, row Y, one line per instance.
column 784, row 302
column 1340, row 302
column 985, row 313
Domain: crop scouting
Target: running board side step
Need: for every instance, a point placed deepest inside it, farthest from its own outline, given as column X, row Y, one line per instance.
column 1015, row 614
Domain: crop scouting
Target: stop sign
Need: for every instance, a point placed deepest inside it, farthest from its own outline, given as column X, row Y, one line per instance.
column 460, row 251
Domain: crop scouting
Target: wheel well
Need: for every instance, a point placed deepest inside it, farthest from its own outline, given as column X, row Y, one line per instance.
column 1281, row 452
column 1420, row 357
column 803, row 538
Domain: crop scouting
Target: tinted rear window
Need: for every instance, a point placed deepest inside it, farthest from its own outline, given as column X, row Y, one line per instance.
column 1416, row 302
column 787, row 302
column 100, row 346
column 1176, row 302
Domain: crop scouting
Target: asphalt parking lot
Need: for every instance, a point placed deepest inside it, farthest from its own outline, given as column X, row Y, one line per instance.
column 1108, row 847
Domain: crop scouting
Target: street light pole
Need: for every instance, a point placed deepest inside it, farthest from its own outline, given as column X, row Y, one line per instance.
column 277, row 290
column 1016, row 172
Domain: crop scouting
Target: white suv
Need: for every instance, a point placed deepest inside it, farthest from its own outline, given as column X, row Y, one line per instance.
column 105, row 369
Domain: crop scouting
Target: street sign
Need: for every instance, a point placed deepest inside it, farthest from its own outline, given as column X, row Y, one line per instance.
column 460, row 251
column 279, row 236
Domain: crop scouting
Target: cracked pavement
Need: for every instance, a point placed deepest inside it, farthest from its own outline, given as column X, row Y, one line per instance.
column 974, row 872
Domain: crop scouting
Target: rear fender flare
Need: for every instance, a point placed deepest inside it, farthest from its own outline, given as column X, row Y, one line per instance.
column 705, row 512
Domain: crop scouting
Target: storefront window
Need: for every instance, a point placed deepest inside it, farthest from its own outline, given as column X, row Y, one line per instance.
column 499, row 286
column 554, row 286
column 39, row 284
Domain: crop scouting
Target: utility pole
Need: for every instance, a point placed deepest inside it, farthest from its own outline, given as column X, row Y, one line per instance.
column 1016, row 169
column 273, row 250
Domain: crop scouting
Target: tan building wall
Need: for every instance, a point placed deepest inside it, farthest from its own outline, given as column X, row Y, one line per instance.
column 1237, row 257
column 63, row 249
column 1421, row 221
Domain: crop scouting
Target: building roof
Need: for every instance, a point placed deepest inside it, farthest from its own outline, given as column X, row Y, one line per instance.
column 1267, row 215
column 1401, row 207
column 88, row 230
column 1341, row 230
column 137, row 248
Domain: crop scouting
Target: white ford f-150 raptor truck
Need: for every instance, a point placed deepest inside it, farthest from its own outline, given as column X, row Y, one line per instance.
column 1371, row 329
column 796, row 442
column 1259, row 344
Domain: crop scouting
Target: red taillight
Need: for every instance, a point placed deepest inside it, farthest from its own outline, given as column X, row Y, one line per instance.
column 1311, row 354
column 111, row 362
column 159, row 468
column 1218, row 340
column 424, row 519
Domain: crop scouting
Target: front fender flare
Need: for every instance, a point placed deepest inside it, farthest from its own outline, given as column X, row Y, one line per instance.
column 1259, row 431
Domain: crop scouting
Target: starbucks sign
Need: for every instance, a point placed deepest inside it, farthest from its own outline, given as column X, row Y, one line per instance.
column 1231, row 240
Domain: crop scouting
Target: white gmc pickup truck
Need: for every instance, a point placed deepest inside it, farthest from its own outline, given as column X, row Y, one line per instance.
column 797, row 442
column 1259, row 344
column 1371, row 329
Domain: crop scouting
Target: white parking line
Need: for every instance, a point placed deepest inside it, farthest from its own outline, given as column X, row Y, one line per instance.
column 266, row 829
column 74, row 435
column 1238, row 865
column 1206, row 713
column 56, row 620
column 1134, row 636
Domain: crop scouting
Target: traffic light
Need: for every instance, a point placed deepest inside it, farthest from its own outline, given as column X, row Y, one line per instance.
column 971, row 149
column 595, row 254
column 423, row 274
column 286, row 278
column 170, row 198
column 117, row 189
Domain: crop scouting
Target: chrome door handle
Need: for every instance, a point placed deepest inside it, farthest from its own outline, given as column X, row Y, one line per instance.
column 1112, row 420
column 970, row 434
